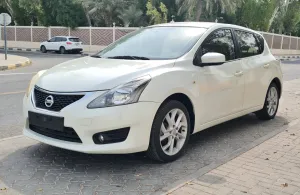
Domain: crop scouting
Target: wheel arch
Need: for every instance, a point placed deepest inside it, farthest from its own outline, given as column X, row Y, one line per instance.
column 278, row 84
column 186, row 101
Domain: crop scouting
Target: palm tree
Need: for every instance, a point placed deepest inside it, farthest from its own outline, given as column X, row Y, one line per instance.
column 194, row 8
column 88, row 8
column 131, row 15
column 225, row 5
column 7, row 5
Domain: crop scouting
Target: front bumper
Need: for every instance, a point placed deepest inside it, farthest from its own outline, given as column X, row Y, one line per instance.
column 87, row 122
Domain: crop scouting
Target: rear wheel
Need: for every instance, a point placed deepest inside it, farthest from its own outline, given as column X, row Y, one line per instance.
column 43, row 49
column 170, row 132
column 62, row 50
column 270, row 108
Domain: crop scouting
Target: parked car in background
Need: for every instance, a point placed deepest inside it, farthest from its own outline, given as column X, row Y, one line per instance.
column 62, row 44
column 153, row 88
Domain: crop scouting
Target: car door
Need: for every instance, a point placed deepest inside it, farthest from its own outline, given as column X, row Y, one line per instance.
column 222, row 85
column 255, row 67
column 57, row 43
column 50, row 43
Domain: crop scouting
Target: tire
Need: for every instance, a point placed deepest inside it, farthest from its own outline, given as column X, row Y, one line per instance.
column 266, row 113
column 62, row 50
column 43, row 49
column 180, row 136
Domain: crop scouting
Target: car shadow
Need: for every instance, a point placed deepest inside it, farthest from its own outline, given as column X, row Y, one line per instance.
column 53, row 169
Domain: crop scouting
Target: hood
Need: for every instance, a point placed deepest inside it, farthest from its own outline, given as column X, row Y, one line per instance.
column 92, row 74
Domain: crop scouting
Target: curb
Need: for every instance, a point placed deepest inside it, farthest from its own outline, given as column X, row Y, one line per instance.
column 291, row 57
column 172, row 187
column 28, row 62
column 20, row 49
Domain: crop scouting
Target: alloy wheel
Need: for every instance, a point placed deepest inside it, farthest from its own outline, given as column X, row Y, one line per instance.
column 173, row 132
column 272, row 101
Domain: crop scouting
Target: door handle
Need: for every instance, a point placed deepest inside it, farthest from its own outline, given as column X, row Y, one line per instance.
column 239, row 73
column 266, row 65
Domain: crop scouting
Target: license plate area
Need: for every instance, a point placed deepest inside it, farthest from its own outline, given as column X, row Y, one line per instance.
column 46, row 121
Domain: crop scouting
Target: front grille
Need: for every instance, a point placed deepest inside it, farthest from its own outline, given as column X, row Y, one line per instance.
column 60, row 100
column 68, row 134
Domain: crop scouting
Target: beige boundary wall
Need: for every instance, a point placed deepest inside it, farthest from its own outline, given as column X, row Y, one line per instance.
column 97, row 38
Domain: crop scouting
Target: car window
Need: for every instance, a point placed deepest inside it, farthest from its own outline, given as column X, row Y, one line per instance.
column 52, row 39
column 63, row 39
column 261, row 43
column 247, row 43
column 57, row 39
column 74, row 39
column 155, row 43
column 220, row 41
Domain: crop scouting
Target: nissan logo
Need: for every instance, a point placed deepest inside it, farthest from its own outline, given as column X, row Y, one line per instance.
column 49, row 101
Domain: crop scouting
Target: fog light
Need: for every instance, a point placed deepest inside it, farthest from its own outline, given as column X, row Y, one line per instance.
column 113, row 136
column 101, row 138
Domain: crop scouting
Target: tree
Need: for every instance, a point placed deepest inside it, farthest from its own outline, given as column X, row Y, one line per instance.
column 292, row 17
column 63, row 13
column 7, row 4
column 87, row 6
column 195, row 8
column 20, row 15
column 131, row 15
column 256, row 14
column 155, row 16
column 34, row 9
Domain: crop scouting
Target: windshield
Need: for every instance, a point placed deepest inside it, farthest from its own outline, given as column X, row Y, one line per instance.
column 156, row 43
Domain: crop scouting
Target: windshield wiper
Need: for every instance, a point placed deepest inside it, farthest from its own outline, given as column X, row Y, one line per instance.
column 95, row 56
column 129, row 57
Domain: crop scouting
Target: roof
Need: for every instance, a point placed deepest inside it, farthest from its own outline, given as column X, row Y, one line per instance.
column 200, row 25
column 188, row 24
column 66, row 36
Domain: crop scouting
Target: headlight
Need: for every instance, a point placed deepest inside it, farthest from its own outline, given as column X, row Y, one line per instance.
column 33, row 81
column 124, row 94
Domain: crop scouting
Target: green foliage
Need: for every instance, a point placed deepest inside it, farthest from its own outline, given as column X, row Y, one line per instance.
column 292, row 17
column 258, row 19
column 164, row 12
column 131, row 16
column 21, row 17
column 282, row 16
column 62, row 13
column 154, row 15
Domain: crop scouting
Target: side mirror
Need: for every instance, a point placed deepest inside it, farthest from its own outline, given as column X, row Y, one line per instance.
column 212, row 59
column 48, row 41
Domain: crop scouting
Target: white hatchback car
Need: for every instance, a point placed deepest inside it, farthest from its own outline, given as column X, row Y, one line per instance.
column 62, row 44
column 152, row 89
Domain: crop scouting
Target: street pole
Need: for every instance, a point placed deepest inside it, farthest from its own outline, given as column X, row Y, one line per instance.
column 5, row 40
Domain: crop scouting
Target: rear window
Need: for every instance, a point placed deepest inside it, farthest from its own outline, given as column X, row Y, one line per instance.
column 74, row 39
column 248, row 43
column 261, row 43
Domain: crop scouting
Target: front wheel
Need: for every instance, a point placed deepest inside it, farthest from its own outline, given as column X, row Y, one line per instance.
column 271, row 104
column 43, row 49
column 170, row 132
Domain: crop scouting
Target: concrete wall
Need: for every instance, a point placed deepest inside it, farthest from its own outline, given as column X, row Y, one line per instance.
column 96, row 48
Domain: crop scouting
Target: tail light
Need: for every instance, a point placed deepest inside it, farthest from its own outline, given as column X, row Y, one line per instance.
column 69, row 43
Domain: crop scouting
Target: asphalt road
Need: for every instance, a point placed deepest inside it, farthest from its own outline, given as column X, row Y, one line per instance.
column 13, row 84
column 42, row 169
